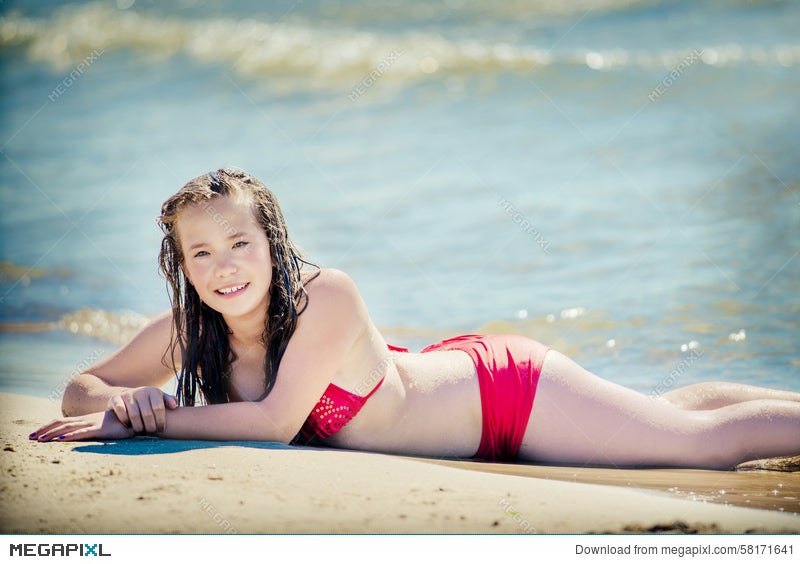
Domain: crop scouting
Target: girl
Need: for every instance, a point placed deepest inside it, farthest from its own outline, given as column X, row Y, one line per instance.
column 278, row 351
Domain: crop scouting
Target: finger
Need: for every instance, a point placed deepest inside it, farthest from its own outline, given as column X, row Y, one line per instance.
column 170, row 401
column 107, row 426
column 45, row 429
column 159, row 410
column 160, row 413
column 60, row 430
column 38, row 433
column 149, row 414
column 135, row 415
column 81, row 434
column 118, row 406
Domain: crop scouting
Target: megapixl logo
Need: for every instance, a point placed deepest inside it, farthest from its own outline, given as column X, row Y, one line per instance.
column 42, row 549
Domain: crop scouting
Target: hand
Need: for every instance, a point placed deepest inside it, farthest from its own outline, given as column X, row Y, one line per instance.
column 143, row 409
column 100, row 425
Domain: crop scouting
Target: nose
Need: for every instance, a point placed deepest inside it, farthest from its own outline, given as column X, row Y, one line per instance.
column 225, row 265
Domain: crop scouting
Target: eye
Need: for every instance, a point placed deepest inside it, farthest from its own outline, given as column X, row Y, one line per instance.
column 240, row 244
column 200, row 254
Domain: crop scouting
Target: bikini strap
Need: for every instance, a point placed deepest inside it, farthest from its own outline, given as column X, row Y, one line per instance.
column 375, row 389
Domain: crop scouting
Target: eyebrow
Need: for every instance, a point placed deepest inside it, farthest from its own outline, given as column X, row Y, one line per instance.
column 235, row 235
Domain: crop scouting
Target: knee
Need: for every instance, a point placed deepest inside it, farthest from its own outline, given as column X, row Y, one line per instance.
column 714, row 455
column 696, row 440
column 700, row 396
column 713, row 444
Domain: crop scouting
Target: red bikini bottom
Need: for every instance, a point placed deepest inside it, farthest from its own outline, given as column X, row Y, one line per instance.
column 508, row 372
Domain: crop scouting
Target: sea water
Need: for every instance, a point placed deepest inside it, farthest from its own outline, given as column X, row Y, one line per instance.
column 618, row 179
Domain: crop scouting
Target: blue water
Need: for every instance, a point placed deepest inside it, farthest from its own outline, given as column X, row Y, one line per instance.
column 619, row 179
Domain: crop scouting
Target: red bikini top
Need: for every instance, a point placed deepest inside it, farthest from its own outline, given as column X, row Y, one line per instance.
column 336, row 408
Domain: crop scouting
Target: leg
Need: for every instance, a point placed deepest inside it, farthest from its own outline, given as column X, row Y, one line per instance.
column 579, row 418
column 711, row 395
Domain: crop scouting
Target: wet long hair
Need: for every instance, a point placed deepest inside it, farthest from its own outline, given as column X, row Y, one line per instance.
column 200, row 332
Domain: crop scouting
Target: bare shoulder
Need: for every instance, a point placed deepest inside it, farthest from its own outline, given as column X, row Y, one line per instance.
column 332, row 285
column 333, row 298
column 330, row 278
column 320, row 349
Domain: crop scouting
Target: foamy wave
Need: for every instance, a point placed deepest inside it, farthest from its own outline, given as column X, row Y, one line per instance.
column 16, row 274
column 117, row 327
column 253, row 47
column 259, row 48
column 111, row 326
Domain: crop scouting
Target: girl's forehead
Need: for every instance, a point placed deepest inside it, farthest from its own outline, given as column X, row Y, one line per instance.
column 235, row 205
column 223, row 212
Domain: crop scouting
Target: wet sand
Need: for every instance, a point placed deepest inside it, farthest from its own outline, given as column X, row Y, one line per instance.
column 754, row 487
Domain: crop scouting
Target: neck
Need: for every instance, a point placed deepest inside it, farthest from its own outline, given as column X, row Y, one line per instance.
column 247, row 331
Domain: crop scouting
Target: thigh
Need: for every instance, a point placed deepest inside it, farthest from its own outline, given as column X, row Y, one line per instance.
column 580, row 418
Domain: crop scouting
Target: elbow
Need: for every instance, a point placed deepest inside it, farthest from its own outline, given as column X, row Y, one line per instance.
column 68, row 399
column 270, row 424
column 260, row 436
column 283, row 436
column 74, row 392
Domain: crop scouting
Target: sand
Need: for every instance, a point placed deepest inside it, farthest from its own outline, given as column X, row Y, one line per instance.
column 156, row 486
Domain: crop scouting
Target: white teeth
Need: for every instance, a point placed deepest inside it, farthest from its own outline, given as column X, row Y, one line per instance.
column 232, row 289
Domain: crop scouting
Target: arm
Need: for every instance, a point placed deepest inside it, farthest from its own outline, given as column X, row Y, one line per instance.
column 128, row 382
column 137, row 364
column 239, row 421
column 325, row 334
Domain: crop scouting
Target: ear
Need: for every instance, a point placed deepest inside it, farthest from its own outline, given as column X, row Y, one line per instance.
column 186, row 274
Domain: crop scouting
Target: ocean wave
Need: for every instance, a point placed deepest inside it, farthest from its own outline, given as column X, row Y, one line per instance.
column 117, row 327
column 258, row 48
column 11, row 273
column 111, row 326
column 585, row 335
column 423, row 11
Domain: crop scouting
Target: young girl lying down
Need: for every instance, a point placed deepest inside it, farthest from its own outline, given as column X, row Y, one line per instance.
column 277, row 350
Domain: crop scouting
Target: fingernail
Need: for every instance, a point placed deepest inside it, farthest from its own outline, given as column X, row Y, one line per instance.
column 32, row 435
column 62, row 437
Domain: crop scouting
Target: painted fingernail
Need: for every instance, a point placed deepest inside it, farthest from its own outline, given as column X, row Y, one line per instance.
column 62, row 437
column 32, row 435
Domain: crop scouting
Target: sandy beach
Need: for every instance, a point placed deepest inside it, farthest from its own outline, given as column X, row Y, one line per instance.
column 155, row 486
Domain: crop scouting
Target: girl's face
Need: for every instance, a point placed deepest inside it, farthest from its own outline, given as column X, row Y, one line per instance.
column 226, row 256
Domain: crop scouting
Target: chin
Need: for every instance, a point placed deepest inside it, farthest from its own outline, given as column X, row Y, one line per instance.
column 241, row 309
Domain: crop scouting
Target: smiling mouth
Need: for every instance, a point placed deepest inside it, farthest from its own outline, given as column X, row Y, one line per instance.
column 232, row 290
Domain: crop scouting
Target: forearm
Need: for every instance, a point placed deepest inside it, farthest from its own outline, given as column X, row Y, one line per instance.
column 239, row 421
column 87, row 393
